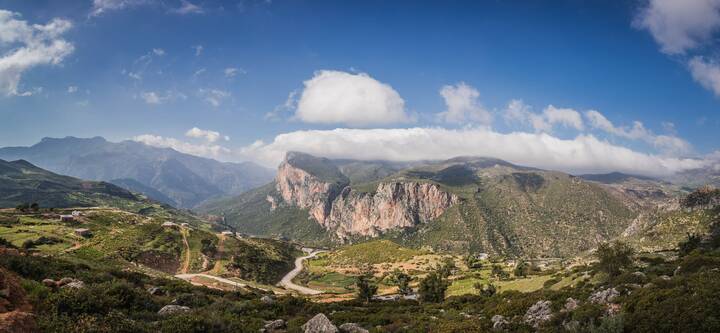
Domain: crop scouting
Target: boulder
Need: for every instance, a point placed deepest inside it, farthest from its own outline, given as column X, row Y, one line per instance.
column 572, row 326
column 76, row 284
column 65, row 281
column 352, row 328
column 267, row 299
column 604, row 296
column 499, row 322
column 319, row 324
column 169, row 310
column 570, row 304
column 639, row 275
column 274, row 326
column 155, row 291
column 538, row 313
column 49, row 283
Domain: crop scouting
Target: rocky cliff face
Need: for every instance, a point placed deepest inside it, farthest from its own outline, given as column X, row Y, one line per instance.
column 299, row 188
column 393, row 205
column 346, row 212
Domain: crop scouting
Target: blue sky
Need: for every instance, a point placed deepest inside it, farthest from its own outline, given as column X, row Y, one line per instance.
column 573, row 77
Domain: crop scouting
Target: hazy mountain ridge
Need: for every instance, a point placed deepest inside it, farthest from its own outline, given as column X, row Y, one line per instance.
column 186, row 179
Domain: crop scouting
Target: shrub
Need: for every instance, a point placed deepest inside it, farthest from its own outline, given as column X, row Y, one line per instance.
column 691, row 243
column 614, row 257
column 432, row 288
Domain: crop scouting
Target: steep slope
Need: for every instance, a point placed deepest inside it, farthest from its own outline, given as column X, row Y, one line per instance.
column 135, row 186
column 21, row 182
column 694, row 178
column 187, row 180
column 463, row 204
column 667, row 225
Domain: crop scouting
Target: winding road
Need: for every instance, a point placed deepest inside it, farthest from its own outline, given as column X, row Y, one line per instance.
column 287, row 279
column 189, row 277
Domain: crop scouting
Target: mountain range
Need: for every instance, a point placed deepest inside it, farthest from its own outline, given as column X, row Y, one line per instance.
column 163, row 174
column 461, row 204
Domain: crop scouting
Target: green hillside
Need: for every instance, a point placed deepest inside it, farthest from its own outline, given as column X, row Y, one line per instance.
column 22, row 182
column 252, row 213
column 503, row 208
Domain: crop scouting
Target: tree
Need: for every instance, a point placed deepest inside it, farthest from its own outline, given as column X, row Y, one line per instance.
column 522, row 268
column 208, row 247
column 35, row 207
column 615, row 257
column 23, row 206
column 447, row 268
column 473, row 262
column 432, row 288
column 499, row 272
column 485, row 289
column 366, row 290
column 402, row 281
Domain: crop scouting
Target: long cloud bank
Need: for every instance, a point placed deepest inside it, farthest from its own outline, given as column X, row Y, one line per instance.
column 583, row 154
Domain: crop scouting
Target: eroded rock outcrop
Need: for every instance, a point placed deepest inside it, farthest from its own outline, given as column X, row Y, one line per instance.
column 302, row 189
column 15, row 310
column 337, row 207
column 393, row 205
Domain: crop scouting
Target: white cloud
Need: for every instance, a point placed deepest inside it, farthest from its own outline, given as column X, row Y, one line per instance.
column 335, row 97
column 155, row 98
column 72, row 89
column 206, row 150
column 285, row 108
column 198, row 50
column 563, row 116
column 142, row 63
column 669, row 144
column 151, row 97
column 583, row 154
column 684, row 27
column 707, row 73
column 199, row 72
column 519, row 112
column 214, row 97
column 463, row 105
column 232, row 72
column 24, row 46
column 680, row 25
column 208, row 135
column 103, row 6
column 187, row 7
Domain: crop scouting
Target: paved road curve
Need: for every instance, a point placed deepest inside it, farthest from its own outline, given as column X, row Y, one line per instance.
column 188, row 277
column 287, row 279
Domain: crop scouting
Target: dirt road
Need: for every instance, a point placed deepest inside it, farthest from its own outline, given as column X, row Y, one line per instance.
column 287, row 279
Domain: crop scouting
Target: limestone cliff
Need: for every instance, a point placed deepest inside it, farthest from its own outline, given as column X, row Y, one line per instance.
column 338, row 208
column 393, row 205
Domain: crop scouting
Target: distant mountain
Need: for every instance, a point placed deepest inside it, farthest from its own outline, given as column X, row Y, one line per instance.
column 613, row 177
column 645, row 193
column 21, row 182
column 135, row 186
column 465, row 204
column 184, row 179
column 694, row 178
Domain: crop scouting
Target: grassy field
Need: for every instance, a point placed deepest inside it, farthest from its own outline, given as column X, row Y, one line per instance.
column 333, row 282
column 372, row 252
column 528, row 284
